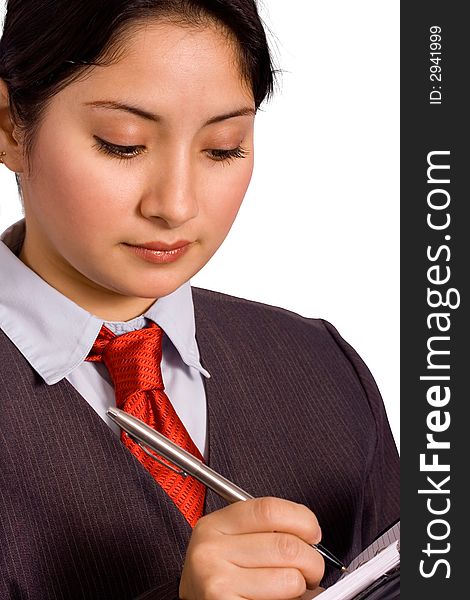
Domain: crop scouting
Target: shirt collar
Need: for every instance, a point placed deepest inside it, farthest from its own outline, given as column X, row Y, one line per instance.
column 55, row 335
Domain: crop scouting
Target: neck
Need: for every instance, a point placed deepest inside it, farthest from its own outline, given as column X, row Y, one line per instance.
column 100, row 302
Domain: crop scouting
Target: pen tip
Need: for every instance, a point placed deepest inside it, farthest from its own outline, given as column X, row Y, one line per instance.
column 344, row 570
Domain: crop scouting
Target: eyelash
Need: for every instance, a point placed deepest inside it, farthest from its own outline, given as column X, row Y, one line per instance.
column 120, row 152
column 229, row 155
column 128, row 152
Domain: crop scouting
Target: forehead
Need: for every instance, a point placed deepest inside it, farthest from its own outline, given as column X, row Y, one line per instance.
column 170, row 67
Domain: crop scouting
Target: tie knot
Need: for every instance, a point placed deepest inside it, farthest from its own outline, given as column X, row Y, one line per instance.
column 132, row 359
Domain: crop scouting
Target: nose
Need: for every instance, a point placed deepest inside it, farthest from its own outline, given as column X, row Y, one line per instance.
column 172, row 194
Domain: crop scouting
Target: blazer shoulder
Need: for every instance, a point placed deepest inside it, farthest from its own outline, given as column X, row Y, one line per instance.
column 218, row 307
column 274, row 329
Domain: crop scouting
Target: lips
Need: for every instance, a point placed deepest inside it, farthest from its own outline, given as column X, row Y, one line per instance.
column 159, row 252
column 161, row 246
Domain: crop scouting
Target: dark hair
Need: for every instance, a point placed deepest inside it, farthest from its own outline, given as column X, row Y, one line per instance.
column 47, row 44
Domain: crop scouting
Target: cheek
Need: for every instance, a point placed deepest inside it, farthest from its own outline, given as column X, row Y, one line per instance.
column 80, row 192
column 228, row 198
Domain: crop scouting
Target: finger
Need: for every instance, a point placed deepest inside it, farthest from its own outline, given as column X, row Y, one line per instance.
column 259, row 550
column 264, row 515
column 271, row 584
column 315, row 593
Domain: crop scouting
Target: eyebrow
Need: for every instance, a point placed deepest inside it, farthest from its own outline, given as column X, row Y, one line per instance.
column 144, row 114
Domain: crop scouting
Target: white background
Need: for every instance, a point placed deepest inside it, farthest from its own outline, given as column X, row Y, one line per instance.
column 318, row 232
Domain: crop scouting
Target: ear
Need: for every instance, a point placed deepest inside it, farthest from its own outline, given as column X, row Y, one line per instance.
column 10, row 137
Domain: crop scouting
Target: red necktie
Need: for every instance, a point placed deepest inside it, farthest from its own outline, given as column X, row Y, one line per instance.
column 133, row 361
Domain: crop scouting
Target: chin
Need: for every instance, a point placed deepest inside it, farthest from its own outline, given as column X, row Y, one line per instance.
column 143, row 290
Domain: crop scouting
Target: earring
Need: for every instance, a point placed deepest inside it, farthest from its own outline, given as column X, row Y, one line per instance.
column 2, row 154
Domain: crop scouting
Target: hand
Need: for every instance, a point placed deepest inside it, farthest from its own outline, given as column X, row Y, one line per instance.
column 316, row 593
column 253, row 550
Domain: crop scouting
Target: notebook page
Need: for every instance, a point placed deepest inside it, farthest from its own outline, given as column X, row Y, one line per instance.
column 391, row 535
column 378, row 558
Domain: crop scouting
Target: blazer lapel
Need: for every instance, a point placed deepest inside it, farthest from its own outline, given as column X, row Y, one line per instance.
column 237, row 449
column 119, row 457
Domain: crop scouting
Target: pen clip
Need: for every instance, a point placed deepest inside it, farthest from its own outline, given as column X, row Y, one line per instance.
column 168, row 466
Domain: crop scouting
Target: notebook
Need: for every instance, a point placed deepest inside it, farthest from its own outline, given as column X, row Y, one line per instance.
column 372, row 574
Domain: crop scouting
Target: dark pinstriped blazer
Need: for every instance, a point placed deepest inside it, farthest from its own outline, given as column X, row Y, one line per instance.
column 292, row 412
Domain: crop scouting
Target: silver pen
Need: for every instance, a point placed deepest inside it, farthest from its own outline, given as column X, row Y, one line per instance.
column 146, row 437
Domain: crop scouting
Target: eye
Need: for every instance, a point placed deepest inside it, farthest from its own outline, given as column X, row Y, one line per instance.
column 227, row 155
column 123, row 152
column 128, row 152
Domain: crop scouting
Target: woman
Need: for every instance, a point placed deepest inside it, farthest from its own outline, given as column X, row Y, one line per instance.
column 129, row 125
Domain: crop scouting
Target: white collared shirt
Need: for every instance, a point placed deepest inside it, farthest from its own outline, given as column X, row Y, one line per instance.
column 55, row 335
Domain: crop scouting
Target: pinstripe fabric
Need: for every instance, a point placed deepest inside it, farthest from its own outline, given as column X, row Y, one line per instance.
column 292, row 412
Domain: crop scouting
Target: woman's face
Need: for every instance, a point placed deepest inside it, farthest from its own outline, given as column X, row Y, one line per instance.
column 172, row 169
